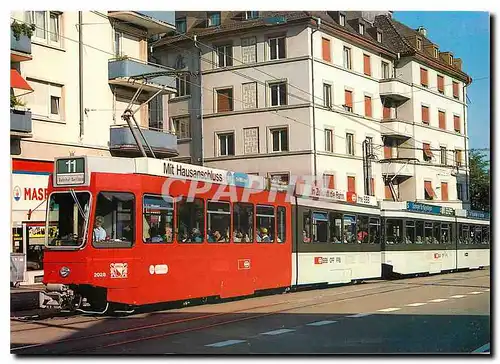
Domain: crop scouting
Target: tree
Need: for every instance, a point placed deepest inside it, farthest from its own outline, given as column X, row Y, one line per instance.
column 479, row 181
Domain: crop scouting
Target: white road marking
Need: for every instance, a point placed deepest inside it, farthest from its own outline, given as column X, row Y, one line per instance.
column 475, row 292
column 439, row 300
column 225, row 343
column 360, row 315
column 321, row 323
column 416, row 304
column 277, row 332
column 390, row 309
column 483, row 349
column 458, row 296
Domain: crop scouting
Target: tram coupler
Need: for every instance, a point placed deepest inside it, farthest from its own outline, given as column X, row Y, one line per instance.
column 56, row 296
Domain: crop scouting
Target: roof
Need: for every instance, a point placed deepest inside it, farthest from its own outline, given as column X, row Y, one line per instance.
column 396, row 36
column 234, row 22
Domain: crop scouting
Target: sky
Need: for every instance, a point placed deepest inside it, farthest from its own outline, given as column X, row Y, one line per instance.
column 467, row 36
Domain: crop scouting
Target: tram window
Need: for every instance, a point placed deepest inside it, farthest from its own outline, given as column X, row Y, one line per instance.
column 114, row 223
column 335, row 227
column 243, row 223
column 394, row 231
column 436, row 238
column 349, row 232
column 265, row 224
column 428, row 232
column 158, row 219
column 477, row 234
column 464, row 234
column 281, row 224
column 362, row 229
column 420, row 239
column 306, row 233
column 374, row 231
column 68, row 214
column 319, row 227
column 445, row 233
column 410, row 232
column 219, row 222
column 486, row 235
column 190, row 221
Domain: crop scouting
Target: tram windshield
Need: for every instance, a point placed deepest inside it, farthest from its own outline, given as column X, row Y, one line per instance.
column 68, row 212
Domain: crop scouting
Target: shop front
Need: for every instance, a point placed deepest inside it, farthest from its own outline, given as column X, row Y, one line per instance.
column 29, row 184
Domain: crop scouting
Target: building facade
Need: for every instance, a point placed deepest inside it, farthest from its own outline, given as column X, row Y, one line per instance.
column 297, row 93
column 72, row 77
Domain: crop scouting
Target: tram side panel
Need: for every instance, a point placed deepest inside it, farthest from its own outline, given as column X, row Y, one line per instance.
column 473, row 249
column 333, row 261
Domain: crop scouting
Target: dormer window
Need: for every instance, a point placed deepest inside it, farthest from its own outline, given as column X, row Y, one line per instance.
column 419, row 44
column 251, row 15
column 379, row 37
column 180, row 25
column 451, row 60
column 213, row 19
column 361, row 29
column 436, row 53
column 342, row 19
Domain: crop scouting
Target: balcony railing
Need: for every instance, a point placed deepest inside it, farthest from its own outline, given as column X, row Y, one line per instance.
column 20, row 50
column 398, row 168
column 122, row 142
column 20, row 122
column 395, row 89
column 124, row 71
column 396, row 128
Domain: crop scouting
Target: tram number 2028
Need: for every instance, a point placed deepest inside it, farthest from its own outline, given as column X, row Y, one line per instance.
column 99, row 275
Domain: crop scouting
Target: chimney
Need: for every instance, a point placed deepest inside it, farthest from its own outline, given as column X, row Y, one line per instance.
column 422, row 31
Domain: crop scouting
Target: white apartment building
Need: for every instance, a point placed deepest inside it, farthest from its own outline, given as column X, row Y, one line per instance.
column 75, row 76
column 369, row 76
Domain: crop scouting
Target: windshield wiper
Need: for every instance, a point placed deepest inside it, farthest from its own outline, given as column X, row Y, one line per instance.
column 73, row 194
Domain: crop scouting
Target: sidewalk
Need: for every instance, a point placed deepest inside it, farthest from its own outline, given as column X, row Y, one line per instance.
column 25, row 297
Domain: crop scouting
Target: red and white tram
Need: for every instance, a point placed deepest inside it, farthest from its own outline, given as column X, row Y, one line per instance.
column 128, row 233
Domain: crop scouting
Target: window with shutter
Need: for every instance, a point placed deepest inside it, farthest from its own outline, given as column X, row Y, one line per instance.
column 425, row 115
column 325, row 43
column 387, row 152
column 442, row 120
column 225, row 100
column 440, row 81
column 456, row 123
column 444, row 191
column 329, row 181
column 366, row 65
column 372, row 186
column 386, row 113
column 423, row 77
column 455, row 90
column 427, row 151
column 368, row 106
column 351, row 184
column 348, row 100
column 428, row 190
column 388, row 193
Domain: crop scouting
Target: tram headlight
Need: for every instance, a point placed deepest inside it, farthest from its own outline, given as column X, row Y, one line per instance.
column 64, row 272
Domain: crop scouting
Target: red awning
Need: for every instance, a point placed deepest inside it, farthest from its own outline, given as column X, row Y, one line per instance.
column 16, row 81
column 429, row 190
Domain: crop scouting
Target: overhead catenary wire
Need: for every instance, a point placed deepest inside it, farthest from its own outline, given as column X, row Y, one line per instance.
column 248, row 77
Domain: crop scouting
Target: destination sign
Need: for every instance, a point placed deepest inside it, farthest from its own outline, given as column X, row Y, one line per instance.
column 429, row 209
column 70, row 171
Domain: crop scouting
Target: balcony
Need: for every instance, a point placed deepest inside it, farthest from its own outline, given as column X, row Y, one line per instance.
column 151, row 25
column 401, row 168
column 120, row 72
column 396, row 128
column 122, row 142
column 394, row 89
column 20, row 50
column 20, row 123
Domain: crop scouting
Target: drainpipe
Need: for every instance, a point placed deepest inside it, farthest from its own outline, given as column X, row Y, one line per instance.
column 318, row 24
column 202, row 155
column 80, row 69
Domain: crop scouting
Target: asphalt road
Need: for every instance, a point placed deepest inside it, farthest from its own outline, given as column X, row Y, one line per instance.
column 447, row 313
